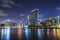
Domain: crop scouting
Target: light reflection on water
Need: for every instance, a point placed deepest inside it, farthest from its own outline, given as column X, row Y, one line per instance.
column 28, row 34
column 8, row 34
column 2, row 34
column 19, row 33
column 5, row 34
column 39, row 33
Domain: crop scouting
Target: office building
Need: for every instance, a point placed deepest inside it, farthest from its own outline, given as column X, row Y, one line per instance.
column 33, row 17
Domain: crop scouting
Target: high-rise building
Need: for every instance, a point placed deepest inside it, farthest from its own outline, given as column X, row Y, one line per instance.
column 32, row 18
column 55, row 20
column 28, row 21
column 58, row 19
column 6, row 23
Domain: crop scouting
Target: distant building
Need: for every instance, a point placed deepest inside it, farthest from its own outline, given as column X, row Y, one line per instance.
column 58, row 19
column 13, row 24
column 28, row 20
column 53, row 21
column 10, row 23
column 6, row 23
column 48, row 22
column 21, row 23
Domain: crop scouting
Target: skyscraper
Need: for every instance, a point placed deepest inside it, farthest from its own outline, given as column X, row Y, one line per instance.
column 28, row 21
column 33, row 17
column 6, row 23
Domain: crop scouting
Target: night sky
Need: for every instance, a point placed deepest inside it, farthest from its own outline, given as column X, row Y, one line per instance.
column 17, row 9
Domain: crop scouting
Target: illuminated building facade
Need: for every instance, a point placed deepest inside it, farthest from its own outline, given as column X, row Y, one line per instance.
column 9, row 23
column 6, row 23
column 28, row 19
column 33, row 17
column 55, row 20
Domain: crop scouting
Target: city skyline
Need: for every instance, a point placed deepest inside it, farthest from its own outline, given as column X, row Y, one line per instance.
column 29, row 19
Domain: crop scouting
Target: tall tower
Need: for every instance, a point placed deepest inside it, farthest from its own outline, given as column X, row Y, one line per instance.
column 28, row 21
column 6, row 23
column 33, row 17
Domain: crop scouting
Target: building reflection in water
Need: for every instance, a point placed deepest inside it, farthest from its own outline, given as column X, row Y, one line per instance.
column 26, row 33
column 40, row 34
column 29, row 34
column 19, row 32
column 5, row 34
column 57, row 33
column 8, row 34
column 53, row 34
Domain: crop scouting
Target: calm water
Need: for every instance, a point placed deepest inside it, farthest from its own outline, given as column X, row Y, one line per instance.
column 27, row 34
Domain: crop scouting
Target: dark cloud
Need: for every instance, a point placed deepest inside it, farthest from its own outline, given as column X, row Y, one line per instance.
column 7, row 3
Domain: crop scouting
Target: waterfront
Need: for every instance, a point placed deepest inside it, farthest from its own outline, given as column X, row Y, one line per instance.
column 29, row 34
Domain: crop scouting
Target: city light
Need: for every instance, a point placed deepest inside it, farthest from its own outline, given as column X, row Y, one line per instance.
column 5, row 32
column 39, row 32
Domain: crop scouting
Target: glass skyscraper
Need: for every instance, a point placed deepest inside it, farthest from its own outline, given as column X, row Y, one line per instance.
column 33, row 17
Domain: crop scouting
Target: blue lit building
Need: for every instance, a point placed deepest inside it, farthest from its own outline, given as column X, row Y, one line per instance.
column 32, row 18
